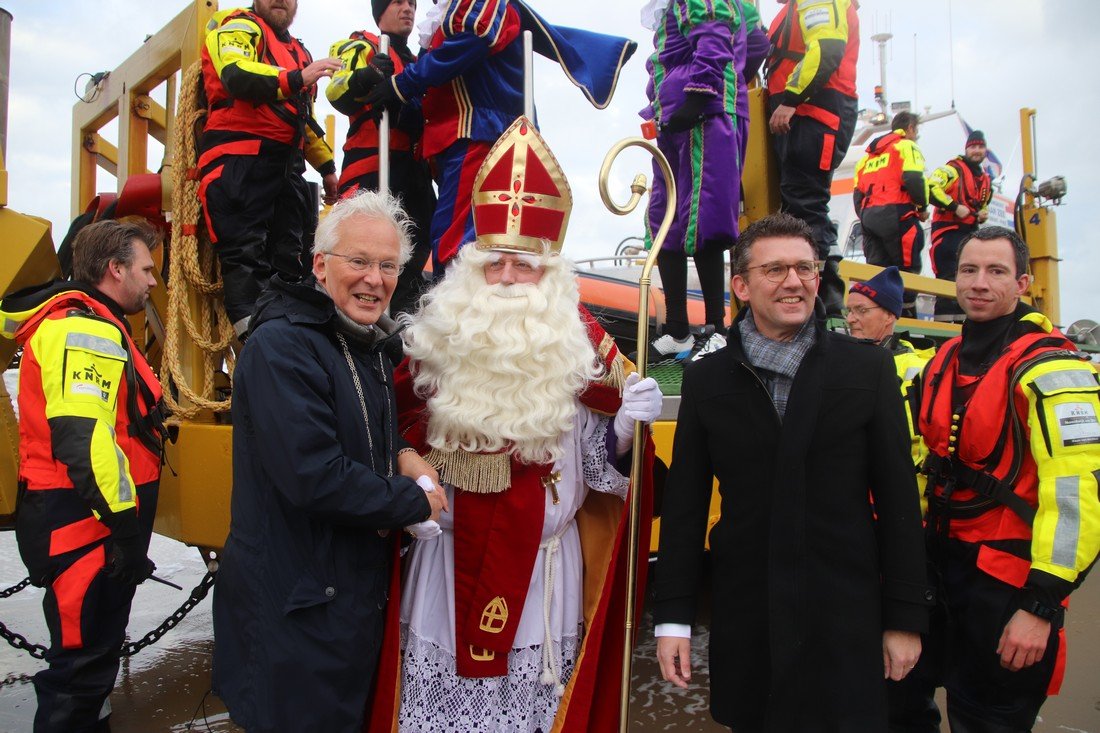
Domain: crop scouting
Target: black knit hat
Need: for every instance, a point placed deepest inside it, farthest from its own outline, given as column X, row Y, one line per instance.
column 378, row 7
column 976, row 137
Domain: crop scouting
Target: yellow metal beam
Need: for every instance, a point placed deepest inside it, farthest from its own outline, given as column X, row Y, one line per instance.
column 760, row 183
column 105, row 151
column 150, row 110
column 194, row 498
column 123, row 95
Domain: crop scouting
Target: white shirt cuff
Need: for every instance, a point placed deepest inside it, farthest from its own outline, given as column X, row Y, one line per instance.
column 682, row 631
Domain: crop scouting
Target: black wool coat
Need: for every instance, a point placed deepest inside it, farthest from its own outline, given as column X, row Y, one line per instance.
column 805, row 578
column 300, row 595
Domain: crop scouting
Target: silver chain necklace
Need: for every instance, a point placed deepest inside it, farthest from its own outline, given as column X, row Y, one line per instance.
column 363, row 407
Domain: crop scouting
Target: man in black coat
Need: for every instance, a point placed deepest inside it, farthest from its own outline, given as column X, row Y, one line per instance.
column 320, row 476
column 819, row 589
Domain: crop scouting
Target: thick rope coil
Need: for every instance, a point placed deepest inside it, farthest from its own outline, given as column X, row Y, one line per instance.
column 193, row 269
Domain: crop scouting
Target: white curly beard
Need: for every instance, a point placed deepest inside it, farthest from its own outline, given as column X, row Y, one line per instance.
column 501, row 366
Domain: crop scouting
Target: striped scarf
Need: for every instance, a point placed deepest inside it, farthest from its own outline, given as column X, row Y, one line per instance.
column 776, row 362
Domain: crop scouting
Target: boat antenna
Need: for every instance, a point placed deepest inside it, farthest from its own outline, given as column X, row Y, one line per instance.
column 880, row 91
column 916, row 105
column 951, row 52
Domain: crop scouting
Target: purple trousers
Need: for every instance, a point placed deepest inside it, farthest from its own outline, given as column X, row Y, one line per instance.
column 706, row 168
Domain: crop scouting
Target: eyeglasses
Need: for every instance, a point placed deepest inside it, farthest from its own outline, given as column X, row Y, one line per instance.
column 776, row 272
column 859, row 311
column 386, row 268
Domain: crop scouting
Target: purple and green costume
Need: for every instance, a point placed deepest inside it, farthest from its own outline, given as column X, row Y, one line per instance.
column 700, row 47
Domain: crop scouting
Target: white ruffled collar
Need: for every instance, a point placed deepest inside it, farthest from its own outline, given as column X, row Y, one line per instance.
column 432, row 20
column 653, row 14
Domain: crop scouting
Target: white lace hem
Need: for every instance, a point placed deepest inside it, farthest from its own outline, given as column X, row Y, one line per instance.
column 434, row 699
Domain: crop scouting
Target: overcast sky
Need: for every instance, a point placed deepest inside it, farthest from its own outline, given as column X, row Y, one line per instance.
column 1007, row 54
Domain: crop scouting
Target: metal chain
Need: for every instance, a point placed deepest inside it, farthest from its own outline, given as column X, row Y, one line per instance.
column 19, row 641
column 9, row 592
column 14, row 678
column 198, row 593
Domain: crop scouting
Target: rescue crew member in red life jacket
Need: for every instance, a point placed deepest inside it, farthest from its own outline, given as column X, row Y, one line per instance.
column 891, row 197
column 960, row 192
column 89, row 463
column 410, row 179
column 260, row 85
column 811, row 74
column 1009, row 414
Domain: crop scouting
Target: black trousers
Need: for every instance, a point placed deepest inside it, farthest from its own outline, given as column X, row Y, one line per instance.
column 960, row 653
column 86, row 612
column 710, row 266
column 946, row 238
column 892, row 235
column 807, row 157
column 410, row 181
column 261, row 222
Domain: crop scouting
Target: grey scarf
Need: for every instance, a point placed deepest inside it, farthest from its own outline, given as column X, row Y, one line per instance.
column 776, row 361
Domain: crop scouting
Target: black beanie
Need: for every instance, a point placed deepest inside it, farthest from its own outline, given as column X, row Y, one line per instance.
column 378, row 7
column 977, row 137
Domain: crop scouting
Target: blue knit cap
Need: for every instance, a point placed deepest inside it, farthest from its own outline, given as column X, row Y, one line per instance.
column 885, row 289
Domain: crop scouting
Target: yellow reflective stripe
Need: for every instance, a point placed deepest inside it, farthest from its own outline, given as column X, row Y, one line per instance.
column 95, row 343
column 1065, row 445
column 1067, row 531
column 240, row 24
column 1052, row 382
column 111, row 468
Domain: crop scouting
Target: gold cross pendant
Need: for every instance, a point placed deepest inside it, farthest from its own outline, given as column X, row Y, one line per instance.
column 551, row 482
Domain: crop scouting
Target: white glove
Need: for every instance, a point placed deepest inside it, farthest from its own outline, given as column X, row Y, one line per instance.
column 642, row 403
column 428, row 529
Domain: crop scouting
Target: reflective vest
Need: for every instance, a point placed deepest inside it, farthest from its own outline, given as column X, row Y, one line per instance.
column 80, row 362
column 363, row 131
column 283, row 121
column 879, row 173
column 789, row 49
column 979, row 459
column 363, row 128
column 910, row 361
column 973, row 192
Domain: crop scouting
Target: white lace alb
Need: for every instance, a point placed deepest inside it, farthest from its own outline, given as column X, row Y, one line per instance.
column 434, row 699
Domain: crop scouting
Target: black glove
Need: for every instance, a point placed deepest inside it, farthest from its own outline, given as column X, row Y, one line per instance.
column 129, row 564
column 377, row 71
column 380, row 97
column 688, row 115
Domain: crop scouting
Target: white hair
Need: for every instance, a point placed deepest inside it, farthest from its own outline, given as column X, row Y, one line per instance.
column 372, row 205
column 501, row 366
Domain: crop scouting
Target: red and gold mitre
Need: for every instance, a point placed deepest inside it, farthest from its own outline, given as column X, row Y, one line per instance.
column 520, row 194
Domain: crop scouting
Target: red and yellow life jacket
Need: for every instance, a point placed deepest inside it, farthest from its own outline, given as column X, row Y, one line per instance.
column 788, row 50
column 283, row 121
column 971, row 191
column 137, row 426
column 879, row 173
column 979, row 464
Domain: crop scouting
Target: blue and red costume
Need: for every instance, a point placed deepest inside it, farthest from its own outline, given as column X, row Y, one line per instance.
column 471, row 81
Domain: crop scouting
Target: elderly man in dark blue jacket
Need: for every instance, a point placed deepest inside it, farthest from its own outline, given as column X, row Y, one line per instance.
column 320, row 475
